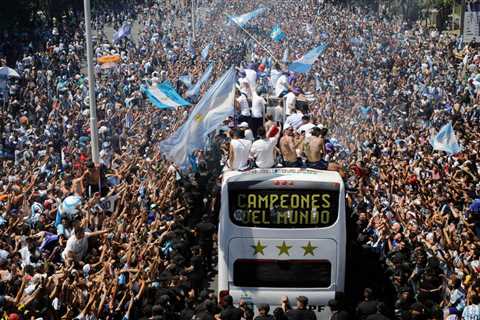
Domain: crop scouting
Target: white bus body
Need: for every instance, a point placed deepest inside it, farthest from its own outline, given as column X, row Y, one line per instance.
column 282, row 232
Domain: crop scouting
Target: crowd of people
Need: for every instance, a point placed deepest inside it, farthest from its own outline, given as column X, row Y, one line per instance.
column 132, row 236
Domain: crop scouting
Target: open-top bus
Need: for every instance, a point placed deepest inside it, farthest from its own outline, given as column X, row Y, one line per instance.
column 282, row 232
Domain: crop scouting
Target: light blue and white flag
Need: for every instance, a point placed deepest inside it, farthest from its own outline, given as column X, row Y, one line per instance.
column 195, row 90
column 205, row 50
column 123, row 32
column 186, row 79
column 243, row 19
column 207, row 116
column 445, row 140
column 164, row 96
column 277, row 34
column 305, row 63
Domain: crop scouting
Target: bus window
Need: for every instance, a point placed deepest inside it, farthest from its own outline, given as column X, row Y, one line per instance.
column 282, row 273
column 283, row 208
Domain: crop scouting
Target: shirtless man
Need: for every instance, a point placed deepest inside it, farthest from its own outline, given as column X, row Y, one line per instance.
column 315, row 150
column 288, row 147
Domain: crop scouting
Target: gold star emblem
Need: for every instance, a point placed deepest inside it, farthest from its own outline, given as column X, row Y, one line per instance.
column 259, row 248
column 198, row 117
column 284, row 249
column 309, row 249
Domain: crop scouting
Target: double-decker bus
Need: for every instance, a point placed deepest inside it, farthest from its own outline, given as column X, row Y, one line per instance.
column 282, row 231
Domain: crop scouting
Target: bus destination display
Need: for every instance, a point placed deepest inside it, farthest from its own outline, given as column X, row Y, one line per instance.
column 283, row 208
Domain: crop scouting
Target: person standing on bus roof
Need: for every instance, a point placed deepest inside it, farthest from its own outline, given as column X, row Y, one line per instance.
column 301, row 313
column 263, row 149
column 229, row 311
column 288, row 147
column 239, row 151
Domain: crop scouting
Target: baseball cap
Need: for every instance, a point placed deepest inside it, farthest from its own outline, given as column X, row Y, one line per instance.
column 243, row 125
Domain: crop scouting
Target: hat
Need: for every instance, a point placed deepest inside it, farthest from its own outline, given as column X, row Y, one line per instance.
column 243, row 125
column 302, row 299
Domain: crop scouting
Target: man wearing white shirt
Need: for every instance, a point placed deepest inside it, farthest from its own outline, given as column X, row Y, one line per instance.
column 306, row 126
column 291, row 100
column 251, row 76
column 239, row 151
column 275, row 75
column 244, row 107
column 281, row 87
column 246, row 131
column 258, row 110
column 294, row 120
column 263, row 150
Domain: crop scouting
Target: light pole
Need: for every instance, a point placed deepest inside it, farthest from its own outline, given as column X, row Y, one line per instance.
column 91, row 84
column 193, row 19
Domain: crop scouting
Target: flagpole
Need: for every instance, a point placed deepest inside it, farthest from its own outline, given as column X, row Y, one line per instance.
column 193, row 20
column 258, row 42
column 91, row 85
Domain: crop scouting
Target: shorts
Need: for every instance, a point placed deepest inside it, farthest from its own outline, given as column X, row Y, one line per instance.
column 319, row 165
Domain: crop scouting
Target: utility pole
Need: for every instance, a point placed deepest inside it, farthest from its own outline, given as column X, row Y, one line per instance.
column 91, row 85
column 193, row 19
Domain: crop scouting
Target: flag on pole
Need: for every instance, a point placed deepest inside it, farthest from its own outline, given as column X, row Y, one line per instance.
column 164, row 96
column 277, row 34
column 243, row 19
column 305, row 63
column 204, row 52
column 195, row 90
column 207, row 116
column 123, row 32
column 445, row 140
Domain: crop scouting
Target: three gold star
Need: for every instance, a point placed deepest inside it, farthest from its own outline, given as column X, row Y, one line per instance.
column 284, row 249
column 308, row 249
column 259, row 248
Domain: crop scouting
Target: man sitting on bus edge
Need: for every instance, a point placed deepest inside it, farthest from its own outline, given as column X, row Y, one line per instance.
column 301, row 313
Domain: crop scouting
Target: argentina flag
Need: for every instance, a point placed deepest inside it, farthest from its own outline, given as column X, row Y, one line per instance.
column 243, row 19
column 123, row 32
column 445, row 140
column 204, row 53
column 207, row 116
column 305, row 63
column 195, row 90
column 277, row 34
column 164, row 96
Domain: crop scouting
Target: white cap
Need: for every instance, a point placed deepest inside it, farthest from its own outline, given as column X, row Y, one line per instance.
column 243, row 125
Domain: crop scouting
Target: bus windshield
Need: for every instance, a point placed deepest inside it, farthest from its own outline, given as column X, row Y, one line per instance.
column 283, row 208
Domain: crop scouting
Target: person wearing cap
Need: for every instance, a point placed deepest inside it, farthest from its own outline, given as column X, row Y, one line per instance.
column 246, row 131
column 263, row 310
column 301, row 312
column 229, row 312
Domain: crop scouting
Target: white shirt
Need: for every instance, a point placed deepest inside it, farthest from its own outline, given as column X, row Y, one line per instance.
column 263, row 151
column 244, row 108
column 249, row 135
column 307, row 128
column 241, row 152
column 251, row 76
column 274, row 76
column 294, row 120
column 78, row 247
column 245, row 86
column 281, row 85
column 291, row 100
column 258, row 106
